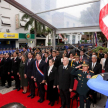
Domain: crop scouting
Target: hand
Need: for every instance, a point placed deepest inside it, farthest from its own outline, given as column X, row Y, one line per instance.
column 17, row 73
column 25, row 75
column 70, row 90
column 43, row 81
column 46, row 83
column 79, row 66
column 58, row 86
column 34, row 79
column 54, row 86
column 8, row 73
column 90, row 96
column 11, row 71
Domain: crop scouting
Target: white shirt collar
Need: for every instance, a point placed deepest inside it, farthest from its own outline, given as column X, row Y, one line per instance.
column 39, row 61
column 93, row 63
column 65, row 66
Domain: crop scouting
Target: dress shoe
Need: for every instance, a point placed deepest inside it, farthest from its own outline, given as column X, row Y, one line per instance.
column 41, row 100
column 7, row 86
column 18, row 89
column 29, row 95
column 24, row 92
column 14, row 88
column 49, row 103
column 32, row 96
column 62, row 107
column 52, row 104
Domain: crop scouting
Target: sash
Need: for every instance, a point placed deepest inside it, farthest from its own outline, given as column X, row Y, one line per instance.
column 39, row 69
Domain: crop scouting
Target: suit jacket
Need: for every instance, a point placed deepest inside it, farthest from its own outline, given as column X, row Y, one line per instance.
column 52, row 75
column 15, row 65
column 43, row 68
column 47, row 61
column 68, row 54
column 106, row 65
column 97, row 69
column 57, row 62
column 65, row 80
column 7, row 65
column 84, row 58
column 2, row 66
column 29, row 68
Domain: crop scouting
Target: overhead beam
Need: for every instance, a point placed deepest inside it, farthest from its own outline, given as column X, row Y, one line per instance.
column 78, row 30
column 25, row 10
column 77, row 4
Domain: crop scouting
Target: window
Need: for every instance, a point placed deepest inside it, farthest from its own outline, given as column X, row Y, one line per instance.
column 5, row 21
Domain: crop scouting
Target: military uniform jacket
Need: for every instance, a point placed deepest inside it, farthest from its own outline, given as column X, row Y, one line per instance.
column 82, row 87
column 74, row 64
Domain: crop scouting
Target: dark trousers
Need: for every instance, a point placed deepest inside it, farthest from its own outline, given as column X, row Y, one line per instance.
column 31, row 85
column 65, row 98
column 82, row 98
column 17, row 81
column 41, row 90
column 9, row 80
column 3, row 79
column 94, row 97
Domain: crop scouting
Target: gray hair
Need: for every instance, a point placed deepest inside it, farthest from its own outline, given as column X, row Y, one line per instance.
column 94, row 56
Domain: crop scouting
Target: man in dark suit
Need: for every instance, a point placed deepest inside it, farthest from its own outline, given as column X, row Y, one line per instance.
column 57, row 60
column 97, row 68
column 40, row 70
column 82, row 56
column 94, row 66
column 82, row 49
column 29, row 74
column 65, row 82
column 7, row 69
column 25, row 52
column 76, row 50
column 15, row 70
column 50, row 54
column 43, row 54
column 47, row 58
column 1, row 70
column 68, row 52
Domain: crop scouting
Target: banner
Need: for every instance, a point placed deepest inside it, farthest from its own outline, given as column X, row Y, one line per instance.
column 17, row 21
column 103, row 17
column 9, row 36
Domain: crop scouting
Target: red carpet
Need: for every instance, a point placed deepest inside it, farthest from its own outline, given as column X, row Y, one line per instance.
column 17, row 96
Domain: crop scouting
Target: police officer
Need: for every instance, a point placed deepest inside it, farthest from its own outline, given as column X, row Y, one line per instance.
column 83, row 76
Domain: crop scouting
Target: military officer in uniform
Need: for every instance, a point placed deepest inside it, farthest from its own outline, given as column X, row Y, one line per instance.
column 77, row 62
column 83, row 76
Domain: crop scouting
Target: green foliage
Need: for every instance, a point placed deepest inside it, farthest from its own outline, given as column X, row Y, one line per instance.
column 49, row 43
column 105, row 50
column 36, row 26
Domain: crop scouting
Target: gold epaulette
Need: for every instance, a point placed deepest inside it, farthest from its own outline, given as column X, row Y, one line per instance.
column 91, row 71
column 80, row 69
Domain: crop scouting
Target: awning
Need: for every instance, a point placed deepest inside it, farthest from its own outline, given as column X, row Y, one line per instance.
column 6, row 21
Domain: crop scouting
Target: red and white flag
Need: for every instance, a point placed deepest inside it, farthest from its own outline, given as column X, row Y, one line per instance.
column 103, row 17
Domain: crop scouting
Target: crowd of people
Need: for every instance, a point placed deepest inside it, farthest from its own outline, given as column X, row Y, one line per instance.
column 48, row 67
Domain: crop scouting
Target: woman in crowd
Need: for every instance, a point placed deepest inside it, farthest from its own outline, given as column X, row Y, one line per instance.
column 24, row 81
column 63, row 55
column 52, row 92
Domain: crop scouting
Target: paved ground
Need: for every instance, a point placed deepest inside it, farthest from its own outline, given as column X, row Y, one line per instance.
column 100, row 104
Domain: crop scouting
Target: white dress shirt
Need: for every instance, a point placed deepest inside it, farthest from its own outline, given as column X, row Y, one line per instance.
column 93, row 64
column 50, row 68
column 39, row 61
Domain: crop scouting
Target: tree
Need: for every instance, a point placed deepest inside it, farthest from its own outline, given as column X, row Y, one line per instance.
column 36, row 27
